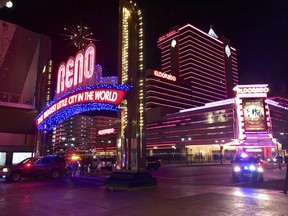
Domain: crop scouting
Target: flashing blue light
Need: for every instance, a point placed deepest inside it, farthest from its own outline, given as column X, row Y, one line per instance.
column 244, row 155
column 58, row 117
column 246, row 168
column 90, row 87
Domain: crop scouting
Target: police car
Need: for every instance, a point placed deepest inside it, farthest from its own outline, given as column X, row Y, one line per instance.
column 247, row 167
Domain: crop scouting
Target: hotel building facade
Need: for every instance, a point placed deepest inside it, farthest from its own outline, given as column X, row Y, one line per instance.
column 207, row 63
column 205, row 66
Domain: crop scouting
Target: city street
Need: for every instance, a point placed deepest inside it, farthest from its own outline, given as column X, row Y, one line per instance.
column 192, row 190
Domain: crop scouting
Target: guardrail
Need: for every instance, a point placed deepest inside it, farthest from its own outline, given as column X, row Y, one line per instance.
column 17, row 100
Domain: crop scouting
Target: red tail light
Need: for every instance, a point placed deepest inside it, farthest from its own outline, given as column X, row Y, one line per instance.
column 28, row 165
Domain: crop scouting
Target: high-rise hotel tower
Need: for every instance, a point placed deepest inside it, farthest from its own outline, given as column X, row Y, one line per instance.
column 202, row 59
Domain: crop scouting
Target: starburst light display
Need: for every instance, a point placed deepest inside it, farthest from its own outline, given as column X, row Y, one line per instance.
column 78, row 35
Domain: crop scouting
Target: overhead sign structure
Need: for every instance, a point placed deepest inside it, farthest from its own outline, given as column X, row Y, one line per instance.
column 77, row 92
column 257, row 90
column 77, row 71
column 252, row 109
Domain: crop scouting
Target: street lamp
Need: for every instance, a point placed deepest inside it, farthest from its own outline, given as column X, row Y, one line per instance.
column 6, row 3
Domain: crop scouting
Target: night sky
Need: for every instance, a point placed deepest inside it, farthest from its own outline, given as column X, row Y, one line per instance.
column 258, row 29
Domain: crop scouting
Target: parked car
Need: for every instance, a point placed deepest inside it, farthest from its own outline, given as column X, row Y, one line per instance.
column 47, row 166
column 153, row 162
column 245, row 166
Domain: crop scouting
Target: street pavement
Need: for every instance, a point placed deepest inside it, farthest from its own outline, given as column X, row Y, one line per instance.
column 173, row 198
column 174, row 195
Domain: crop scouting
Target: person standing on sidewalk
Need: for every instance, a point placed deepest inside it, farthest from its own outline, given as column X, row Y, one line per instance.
column 83, row 166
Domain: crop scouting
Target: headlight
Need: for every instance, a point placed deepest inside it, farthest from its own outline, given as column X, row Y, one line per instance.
column 260, row 169
column 5, row 169
column 252, row 167
column 237, row 169
column 274, row 160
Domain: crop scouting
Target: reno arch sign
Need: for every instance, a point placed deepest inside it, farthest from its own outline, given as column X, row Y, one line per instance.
column 77, row 91
column 77, row 71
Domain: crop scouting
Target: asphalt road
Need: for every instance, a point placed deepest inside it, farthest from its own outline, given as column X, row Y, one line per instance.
column 219, row 175
column 181, row 190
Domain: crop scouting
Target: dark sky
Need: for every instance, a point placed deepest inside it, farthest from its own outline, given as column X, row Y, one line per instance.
column 258, row 29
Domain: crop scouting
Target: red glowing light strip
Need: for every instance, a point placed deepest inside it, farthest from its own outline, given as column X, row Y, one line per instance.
column 159, row 94
column 198, row 43
column 194, row 72
column 171, row 101
column 210, row 82
column 206, row 86
column 185, row 67
column 206, row 99
column 186, row 93
column 160, row 127
column 225, row 102
column 204, row 54
column 183, row 94
column 163, row 105
column 161, row 83
column 194, row 42
column 193, row 61
column 212, row 91
column 167, row 102
column 188, row 52
column 202, row 33
column 161, row 99
column 168, row 84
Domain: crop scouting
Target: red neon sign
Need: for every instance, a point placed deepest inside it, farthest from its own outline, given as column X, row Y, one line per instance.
column 100, row 95
column 78, row 71
column 106, row 131
column 164, row 75
column 167, row 35
column 251, row 89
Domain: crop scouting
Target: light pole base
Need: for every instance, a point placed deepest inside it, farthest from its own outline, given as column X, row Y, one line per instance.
column 128, row 180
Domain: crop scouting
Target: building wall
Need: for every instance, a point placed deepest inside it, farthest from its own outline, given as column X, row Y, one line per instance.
column 23, row 55
column 202, row 60
column 203, row 126
column 164, row 93
column 81, row 132
column 279, row 117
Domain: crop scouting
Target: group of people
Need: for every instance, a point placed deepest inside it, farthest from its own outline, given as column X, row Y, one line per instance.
column 79, row 166
column 85, row 164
